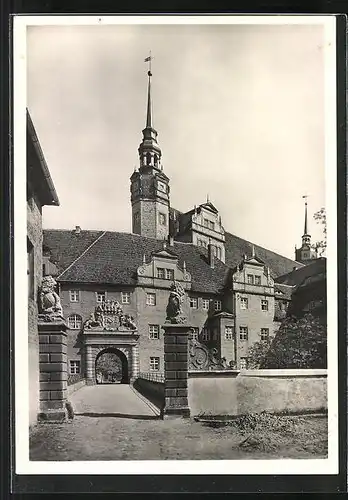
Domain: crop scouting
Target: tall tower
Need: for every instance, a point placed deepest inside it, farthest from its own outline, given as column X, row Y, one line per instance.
column 149, row 184
column 305, row 253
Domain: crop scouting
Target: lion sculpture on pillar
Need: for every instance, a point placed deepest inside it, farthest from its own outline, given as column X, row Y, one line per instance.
column 174, row 311
column 50, row 307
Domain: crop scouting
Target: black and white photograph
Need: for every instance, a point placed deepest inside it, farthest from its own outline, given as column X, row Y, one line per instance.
column 175, row 189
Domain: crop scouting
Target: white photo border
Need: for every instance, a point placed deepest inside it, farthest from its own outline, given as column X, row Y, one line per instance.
column 233, row 467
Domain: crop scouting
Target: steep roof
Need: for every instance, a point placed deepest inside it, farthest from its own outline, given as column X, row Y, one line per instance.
column 286, row 291
column 297, row 277
column 65, row 246
column 113, row 258
column 237, row 247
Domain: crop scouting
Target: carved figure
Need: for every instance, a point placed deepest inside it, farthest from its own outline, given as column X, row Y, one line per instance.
column 95, row 320
column 109, row 316
column 128, row 321
column 175, row 301
column 202, row 358
column 49, row 301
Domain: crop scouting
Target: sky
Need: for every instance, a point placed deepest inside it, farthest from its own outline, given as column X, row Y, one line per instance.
column 239, row 111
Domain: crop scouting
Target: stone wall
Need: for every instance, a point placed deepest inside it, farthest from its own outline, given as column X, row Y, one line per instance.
column 234, row 393
column 34, row 235
column 153, row 391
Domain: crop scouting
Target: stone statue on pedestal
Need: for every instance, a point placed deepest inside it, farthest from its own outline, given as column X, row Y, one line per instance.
column 50, row 308
column 174, row 311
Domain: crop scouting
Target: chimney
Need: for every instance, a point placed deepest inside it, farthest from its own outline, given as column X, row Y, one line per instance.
column 77, row 230
column 211, row 256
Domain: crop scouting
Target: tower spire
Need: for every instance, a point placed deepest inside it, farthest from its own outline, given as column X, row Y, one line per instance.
column 149, row 150
column 305, row 220
column 149, row 102
column 305, row 252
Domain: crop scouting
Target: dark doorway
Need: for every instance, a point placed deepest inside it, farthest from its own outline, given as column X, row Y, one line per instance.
column 111, row 367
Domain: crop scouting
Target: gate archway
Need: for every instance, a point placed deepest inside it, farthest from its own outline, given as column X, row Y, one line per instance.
column 111, row 366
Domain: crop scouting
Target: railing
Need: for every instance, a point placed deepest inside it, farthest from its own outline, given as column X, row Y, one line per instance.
column 152, row 376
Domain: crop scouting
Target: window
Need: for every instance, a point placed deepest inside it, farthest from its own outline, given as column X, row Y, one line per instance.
column 30, row 268
column 125, row 297
column 250, row 279
column 217, row 305
column 229, row 332
column 194, row 302
column 205, row 304
column 244, row 303
column 151, row 299
column 75, row 366
column 205, row 335
column 208, row 223
column 154, row 364
column 160, row 273
column 194, row 334
column 243, row 363
column 74, row 295
column 264, row 333
column 161, row 187
column 154, row 332
column 243, row 333
column 170, row 274
column 264, row 305
column 257, row 280
column 162, row 219
column 74, row 322
column 202, row 243
column 100, row 297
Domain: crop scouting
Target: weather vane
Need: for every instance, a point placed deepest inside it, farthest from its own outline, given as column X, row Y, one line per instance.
column 149, row 59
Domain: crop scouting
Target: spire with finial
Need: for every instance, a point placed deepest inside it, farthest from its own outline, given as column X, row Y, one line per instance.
column 305, row 252
column 149, row 103
column 149, row 151
column 305, row 220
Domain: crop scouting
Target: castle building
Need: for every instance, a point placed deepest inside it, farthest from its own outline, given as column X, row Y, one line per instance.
column 234, row 298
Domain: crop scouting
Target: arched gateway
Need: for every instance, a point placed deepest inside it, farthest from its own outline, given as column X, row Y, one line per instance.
column 111, row 366
column 110, row 330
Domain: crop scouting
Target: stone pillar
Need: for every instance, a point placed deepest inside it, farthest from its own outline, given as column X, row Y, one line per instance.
column 135, row 363
column 89, row 366
column 53, row 370
column 175, row 371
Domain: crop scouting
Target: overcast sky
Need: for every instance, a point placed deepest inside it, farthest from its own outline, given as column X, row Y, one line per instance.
column 239, row 112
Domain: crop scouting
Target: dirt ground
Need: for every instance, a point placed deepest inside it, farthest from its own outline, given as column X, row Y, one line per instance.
column 114, row 438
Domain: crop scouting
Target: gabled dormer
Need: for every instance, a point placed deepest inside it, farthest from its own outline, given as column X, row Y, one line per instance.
column 162, row 269
column 202, row 226
column 252, row 276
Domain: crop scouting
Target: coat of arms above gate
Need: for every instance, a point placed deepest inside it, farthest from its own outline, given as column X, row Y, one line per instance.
column 109, row 316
